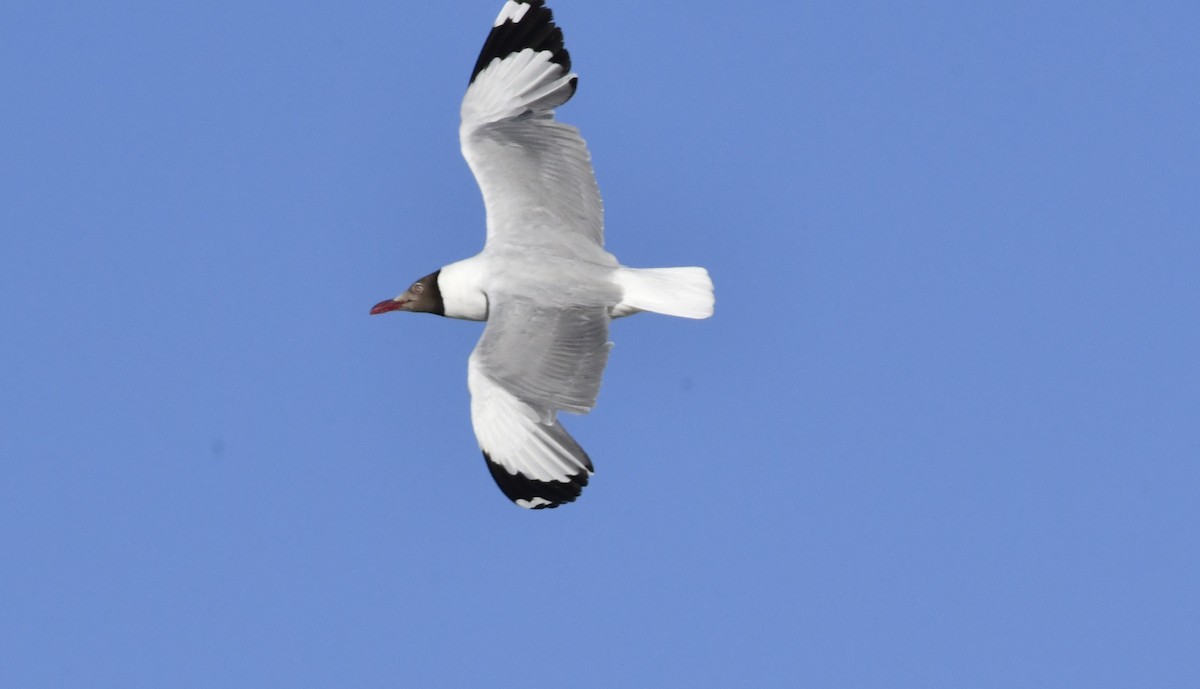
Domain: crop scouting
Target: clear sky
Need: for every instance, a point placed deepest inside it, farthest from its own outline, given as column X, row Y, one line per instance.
column 943, row 430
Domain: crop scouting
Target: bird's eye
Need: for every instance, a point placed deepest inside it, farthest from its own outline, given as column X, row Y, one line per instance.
column 418, row 288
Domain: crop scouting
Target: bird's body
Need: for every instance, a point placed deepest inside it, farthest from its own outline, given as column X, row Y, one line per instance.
column 466, row 283
column 543, row 282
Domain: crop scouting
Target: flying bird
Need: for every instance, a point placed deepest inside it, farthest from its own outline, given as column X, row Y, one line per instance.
column 543, row 282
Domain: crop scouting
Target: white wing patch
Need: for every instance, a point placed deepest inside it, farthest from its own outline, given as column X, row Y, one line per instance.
column 521, row 82
column 513, row 435
column 512, row 11
column 532, row 504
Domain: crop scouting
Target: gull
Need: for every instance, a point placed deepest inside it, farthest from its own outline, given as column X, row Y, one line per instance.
column 543, row 282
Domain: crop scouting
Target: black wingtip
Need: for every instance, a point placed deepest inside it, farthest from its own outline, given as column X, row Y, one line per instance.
column 534, row 29
column 537, row 495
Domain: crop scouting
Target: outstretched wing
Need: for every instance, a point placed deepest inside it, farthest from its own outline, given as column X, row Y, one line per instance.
column 532, row 362
column 535, row 173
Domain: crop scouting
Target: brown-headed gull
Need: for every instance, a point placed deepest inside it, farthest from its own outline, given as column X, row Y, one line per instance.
column 543, row 282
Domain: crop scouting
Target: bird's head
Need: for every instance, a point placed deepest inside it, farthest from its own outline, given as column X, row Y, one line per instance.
column 423, row 296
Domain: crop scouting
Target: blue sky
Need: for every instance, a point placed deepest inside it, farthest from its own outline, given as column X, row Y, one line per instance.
column 942, row 430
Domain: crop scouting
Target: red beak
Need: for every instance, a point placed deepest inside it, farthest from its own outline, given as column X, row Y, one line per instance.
column 387, row 305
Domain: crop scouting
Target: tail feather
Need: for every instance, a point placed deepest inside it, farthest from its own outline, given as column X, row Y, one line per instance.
column 684, row 292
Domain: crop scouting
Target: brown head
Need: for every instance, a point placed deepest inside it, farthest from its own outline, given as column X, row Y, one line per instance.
column 423, row 296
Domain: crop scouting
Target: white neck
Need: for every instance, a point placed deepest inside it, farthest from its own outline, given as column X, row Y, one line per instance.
column 461, row 285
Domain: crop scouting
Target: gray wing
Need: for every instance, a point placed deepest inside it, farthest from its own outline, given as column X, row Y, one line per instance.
column 535, row 173
column 532, row 362
column 550, row 356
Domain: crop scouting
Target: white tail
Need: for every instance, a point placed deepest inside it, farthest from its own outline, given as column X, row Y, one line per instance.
column 683, row 292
